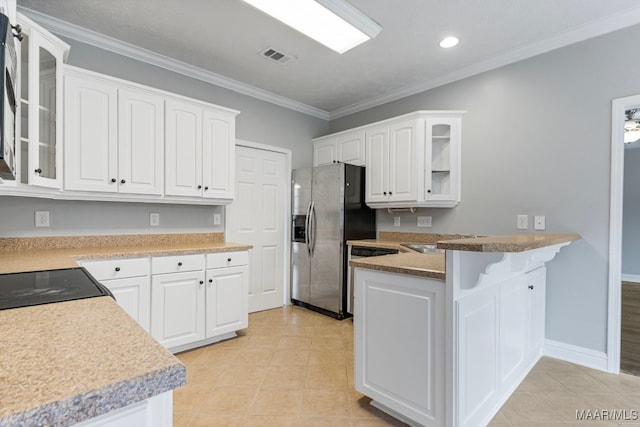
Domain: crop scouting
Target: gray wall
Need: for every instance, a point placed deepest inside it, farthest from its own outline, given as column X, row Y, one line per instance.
column 536, row 141
column 258, row 121
column 631, row 213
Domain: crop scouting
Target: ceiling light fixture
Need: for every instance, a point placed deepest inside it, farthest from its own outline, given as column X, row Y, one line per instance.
column 334, row 23
column 448, row 42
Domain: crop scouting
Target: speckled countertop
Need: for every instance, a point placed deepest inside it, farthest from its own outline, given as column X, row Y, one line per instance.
column 39, row 253
column 509, row 243
column 67, row 362
column 433, row 265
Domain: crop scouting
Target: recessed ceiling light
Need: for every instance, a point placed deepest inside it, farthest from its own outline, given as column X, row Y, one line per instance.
column 334, row 23
column 448, row 42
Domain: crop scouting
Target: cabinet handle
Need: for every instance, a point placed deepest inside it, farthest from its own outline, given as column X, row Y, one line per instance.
column 38, row 170
column 206, row 188
column 180, row 264
column 122, row 181
column 384, row 192
column 428, row 191
column 390, row 193
column 210, row 280
column 228, row 259
column 117, row 268
column 199, row 187
column 530, row 286
column 113, row 180
column 202, row 282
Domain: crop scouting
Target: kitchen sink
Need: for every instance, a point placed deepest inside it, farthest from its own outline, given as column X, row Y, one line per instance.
column 423, row 248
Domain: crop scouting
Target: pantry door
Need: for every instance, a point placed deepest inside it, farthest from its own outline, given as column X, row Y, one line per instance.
column 259, row 216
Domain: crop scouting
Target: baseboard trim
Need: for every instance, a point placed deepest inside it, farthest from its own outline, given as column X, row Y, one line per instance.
column 631, row 278
column 578, row 355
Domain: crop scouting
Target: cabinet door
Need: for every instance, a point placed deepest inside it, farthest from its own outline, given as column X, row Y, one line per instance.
column 513, row 329
column 442, row 157
column 90, row 134
column 404, row 169
column 218, row 154
column 536, row 290
column 133, row 294
column 377, row 172
column 45, row 111
column 324, row 152
column 351, row 148
column 177, row 308
column 227, row 299
column 140, row 142
column 183, row 149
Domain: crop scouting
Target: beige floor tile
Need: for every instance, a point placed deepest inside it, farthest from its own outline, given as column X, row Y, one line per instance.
column 215, row 420
column 263, row 341
column 229, row 400
column 290, row 358
column 500, row 421
column 216, row 356
column 190, row 398
column 622, row 383
column 323, row 422
column 326, row 376
column 582, row 383
column 322, row 342
column 294, row 343
column 563, row 405
column 236, row 342
column 204, row 374
column 254, row 356
column 285, row 377
column 529, row 407
column 181, row 419
column 191, row 355
column 541, row 381
column 332, row 329
column 376, row 422
column 270, row 421
column 243, row 375
column 327, row 357
column 281, row 402
column 325, row 403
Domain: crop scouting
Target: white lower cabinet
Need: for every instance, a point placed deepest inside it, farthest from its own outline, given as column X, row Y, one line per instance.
column 129, row 282
column 177, row 308
column 227, row 298
column 400, row 344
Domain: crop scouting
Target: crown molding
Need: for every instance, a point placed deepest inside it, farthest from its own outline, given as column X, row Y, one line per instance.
column 575, row 35
column 593, row 29
column 120, row 47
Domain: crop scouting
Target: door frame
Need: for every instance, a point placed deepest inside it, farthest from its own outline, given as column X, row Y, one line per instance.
column 618, row 108
column 287, row 209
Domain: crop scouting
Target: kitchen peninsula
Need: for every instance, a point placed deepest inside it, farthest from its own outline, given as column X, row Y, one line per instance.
column 445, row 343
column 87, row 361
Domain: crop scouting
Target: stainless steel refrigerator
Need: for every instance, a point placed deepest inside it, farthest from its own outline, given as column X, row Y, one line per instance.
column 328, row 208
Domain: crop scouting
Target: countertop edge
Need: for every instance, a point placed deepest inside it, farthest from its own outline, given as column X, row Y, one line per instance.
column 503, row 244
column 84, row 406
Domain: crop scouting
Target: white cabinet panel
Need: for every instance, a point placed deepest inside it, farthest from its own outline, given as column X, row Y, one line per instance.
column 183, row 149
column 377, row 171
column 227, row 295
column 536, row 289
column 351, row 148
column 117, row 268
column 140, row 142
column 91, row 154
column 218, row 154
column 399, row 343
column 177, row 263
column 513, row 328
column 133, row 294
column 227, row 259
column 324, row 152
column 404, row 169
column 177, row 308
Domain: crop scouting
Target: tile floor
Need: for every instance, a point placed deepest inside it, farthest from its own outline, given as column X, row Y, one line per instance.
column 293, row 367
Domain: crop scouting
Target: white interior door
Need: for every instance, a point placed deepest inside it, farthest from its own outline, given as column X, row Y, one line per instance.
column 258, row 216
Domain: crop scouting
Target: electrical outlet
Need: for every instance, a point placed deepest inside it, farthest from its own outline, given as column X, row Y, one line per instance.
column 216, row 219
column 154, row 219
column 42, row 218
column 424, row 221
column 522, row 222
column 396, row 221
column 539, row 222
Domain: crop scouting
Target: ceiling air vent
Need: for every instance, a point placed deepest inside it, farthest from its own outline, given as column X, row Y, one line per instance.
column 277, row 56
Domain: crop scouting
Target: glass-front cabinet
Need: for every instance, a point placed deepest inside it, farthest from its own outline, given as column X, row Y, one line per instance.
column 443, row 158
column 40, row 88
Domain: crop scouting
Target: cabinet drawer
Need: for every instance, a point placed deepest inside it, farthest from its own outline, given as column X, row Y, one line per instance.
column 117, row 268
column 177, row 263
column 227, row 259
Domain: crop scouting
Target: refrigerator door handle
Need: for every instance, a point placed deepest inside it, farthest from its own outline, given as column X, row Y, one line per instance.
column 307, row 228
column 312, row 227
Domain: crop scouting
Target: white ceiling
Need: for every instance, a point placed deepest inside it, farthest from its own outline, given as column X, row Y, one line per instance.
column 223, row 38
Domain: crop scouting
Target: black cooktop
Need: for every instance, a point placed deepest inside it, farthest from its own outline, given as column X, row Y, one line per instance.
column 47, row 286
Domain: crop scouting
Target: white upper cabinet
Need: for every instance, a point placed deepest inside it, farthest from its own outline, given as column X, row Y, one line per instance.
column 114, row 136
column 41, row 56
column 412, row 160
column 200, row 147
column 345, row 147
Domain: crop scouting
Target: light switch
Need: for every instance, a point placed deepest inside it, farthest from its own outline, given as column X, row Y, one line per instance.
column 522, row 222
column 424, row 221
column 539, row 222
column 216, row 219
column 42, row 218
column 396, row 221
